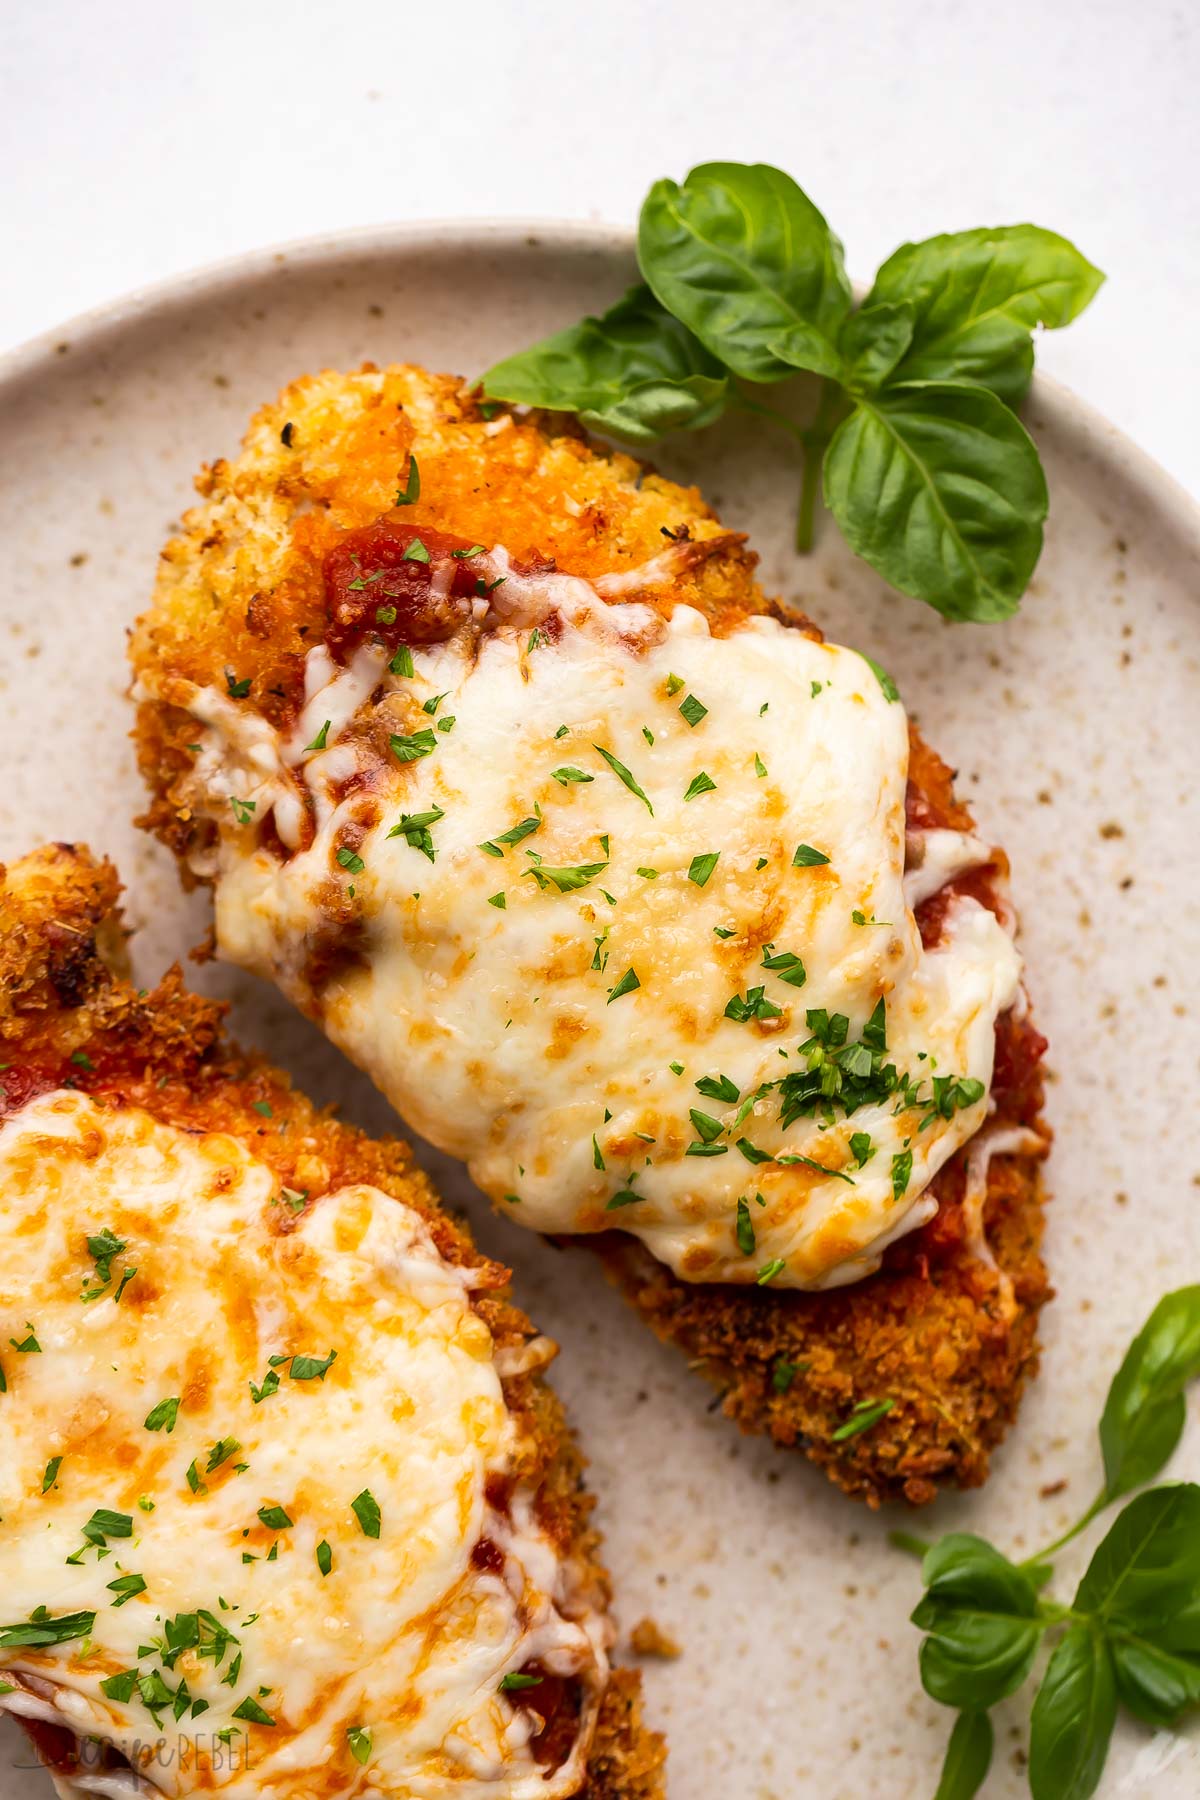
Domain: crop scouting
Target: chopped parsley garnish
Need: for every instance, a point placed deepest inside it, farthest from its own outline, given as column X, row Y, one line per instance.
column 220, row 1453
column 718, row 1087
column 431, row 705
column 676, row 1068
column 566, row 775
column 706, row 1127
column 324, row 1557
column 626, row 1197
column 27, row 1346
column 752, row 1153
column 701, row 867
column 565, row 880
column 102, row 1249
column 385, row 615
column 275, row 1518
column 760, row 767
column 724, row 931
column 626, row 985
column 484, row 588
column 693, row 710
column 784, row 1373
column 890, row 690
column 499, row 901
column 365, row 1508
column 786, row 965
column 321, row 739
column 648, row 874
column 864, row 1415
column 270, row 1385
column 674, row 683
column 125, row 1587
column 414, row 829
column 51, row 1474
column 623, row 775
column 163, row 1416
column 815, row 688
column 744, row 1229
column 42, row 1630
column 312, row 1368
column 754, row 1005
column 702, row 783
column 648, row 735
column 120, row 1687
column 861, row 1147
column 536, row 640
column 808, row 858
column 264, row 1109
column 416, row 552
column 237, row 689
column 462, row 555
column 351, row 860
column 598, row 1161
column 243, row 810
column 821, row 1168
column 769, row 1271
column 250, row 1708
column 562, row 731
column 402, row 663
column 83, row 1061
column 105, row 1524
column 410, row 493
column 413, row 747
column 360, row 1743
column 514, row 1681
column 902, row 1164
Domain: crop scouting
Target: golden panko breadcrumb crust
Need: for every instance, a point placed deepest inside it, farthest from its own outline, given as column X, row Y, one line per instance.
column 949, row 1339
column 63, row 996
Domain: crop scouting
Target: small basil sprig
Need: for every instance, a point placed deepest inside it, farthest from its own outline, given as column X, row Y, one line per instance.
column 930, row 475
column 1130, row 1636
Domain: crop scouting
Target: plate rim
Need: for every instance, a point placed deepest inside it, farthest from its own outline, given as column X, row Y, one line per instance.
column 206, row 282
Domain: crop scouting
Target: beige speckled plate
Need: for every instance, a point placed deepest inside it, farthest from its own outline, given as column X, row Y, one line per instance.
column 1075, row 730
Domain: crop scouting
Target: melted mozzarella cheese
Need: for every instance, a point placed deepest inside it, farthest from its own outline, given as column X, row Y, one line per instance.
column 221, row 1509
column 623, row 814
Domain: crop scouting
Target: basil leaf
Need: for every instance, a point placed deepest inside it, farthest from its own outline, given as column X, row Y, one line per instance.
column 1073, row 1717
column 1146, row 1569
column 939, row 487
column 968, row 1757
column 635, row 372
column 977, row 295
column 873, row 341
column 981, row 1614
column 1145, row 1410
column 740, row 253
column 1156, row 1685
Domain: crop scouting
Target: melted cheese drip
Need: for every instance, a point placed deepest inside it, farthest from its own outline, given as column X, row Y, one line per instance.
column 404, row 1638
column 493, row 1029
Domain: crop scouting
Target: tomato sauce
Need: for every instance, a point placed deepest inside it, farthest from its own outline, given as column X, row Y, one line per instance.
column 379, row 583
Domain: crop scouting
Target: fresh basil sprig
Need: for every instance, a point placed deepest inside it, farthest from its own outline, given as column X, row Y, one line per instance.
column 1130, row 1636
column 930, row 475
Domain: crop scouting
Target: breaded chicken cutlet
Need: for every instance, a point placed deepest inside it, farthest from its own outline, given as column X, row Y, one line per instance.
column 263, row 1393
column 627, row 888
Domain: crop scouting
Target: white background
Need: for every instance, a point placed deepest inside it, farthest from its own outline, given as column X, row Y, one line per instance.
column 142, row 137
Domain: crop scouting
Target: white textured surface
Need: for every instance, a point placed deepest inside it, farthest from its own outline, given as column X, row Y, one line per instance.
column 147, row 139
column 799, row 1674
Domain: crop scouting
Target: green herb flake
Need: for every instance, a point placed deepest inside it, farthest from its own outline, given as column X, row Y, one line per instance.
column 628, row 982
column 243, row 810
column 693, row 710
column 808, row 858
column 786, row 964
column 350, row 859
column 902, row 1163
column 623, row 775
column 702, row 783
column 719, row 1087
column 275, row 1518
column 674, row 683
column 416, row 552
column 360, row 1744
column 514, row 1682
column 238, row 689
column 402, row 663
column 51, row 1474
column 365, row 1508
column 566, row 775
column 499, row 901
column 769, row 1271
column 744, row 1229
column 324, row 1557
column 413, row 747
column 410, row 493
column 864, row 1415
column 760, row 767
column 701, row 867
column 252, row 1712
column 321, row 739
column 163, row 1416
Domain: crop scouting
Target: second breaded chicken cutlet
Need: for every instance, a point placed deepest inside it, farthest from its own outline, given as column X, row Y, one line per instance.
column 627, row 888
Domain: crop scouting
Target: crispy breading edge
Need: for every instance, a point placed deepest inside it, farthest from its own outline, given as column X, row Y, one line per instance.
column 236, row 590
column 63, row 994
